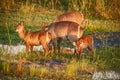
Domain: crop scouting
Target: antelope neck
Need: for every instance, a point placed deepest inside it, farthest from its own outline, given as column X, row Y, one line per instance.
column 23, row 34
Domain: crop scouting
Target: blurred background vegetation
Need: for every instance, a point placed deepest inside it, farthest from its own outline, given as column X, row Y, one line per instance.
column 102, row 9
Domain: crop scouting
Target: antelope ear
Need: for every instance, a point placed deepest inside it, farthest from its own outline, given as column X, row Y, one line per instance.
column 82, row 42
column 22, row 23
column 45, row 24
column 45, row 28
column 16, row 23
column 74, row 43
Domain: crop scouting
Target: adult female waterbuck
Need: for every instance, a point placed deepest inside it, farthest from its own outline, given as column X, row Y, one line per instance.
column 64, row 30
column 74, row 16
column 32, row 39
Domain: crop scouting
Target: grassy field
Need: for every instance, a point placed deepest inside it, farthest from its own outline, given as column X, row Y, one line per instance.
column 35, row 66
column 60, row 66
column 35, row 16
column 35, row 22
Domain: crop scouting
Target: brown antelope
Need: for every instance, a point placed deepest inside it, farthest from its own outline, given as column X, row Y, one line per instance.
column 64, row 30
column 32, row 39
column 74, row 16
column 85, row 42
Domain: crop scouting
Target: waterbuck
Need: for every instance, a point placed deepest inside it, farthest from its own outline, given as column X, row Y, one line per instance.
column 64, row 30
column 85, row 42
column 32, row 39
column 74, row 16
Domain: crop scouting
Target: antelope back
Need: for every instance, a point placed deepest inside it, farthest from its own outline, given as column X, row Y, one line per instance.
column 66, row 30
column 74, row 16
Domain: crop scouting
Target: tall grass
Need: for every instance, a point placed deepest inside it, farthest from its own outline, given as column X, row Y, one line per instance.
column 34, row 13
column 107, row 59
column 103, row 9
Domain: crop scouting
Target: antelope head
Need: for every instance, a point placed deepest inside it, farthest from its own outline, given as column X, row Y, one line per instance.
column 19, row 27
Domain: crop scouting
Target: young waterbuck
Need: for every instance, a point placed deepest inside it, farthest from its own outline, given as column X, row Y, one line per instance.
column 64, row 30
column 32, row 39
column 85, row 42
column 74, row 16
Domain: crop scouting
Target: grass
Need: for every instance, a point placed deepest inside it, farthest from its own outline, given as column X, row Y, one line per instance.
column 33, row 22
column 107, row 60
column 35, row 17
column 10, row 36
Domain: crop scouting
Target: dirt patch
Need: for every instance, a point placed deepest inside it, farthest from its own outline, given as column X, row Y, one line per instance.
column 106, row 39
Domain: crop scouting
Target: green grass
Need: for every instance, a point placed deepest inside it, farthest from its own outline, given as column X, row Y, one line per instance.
column 8, row 34
column 107, row 59
column 34, row 18
column 33, row 22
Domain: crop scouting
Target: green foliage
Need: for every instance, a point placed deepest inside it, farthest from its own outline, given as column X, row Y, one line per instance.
column 72, row 68
column 107, row 59
column 108, row 56
column 5, row 67
column 102, row 9
column 34, row 13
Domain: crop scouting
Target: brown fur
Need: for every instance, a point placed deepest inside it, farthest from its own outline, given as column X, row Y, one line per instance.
column 85, row 42
column 64, row 30
column 74, row 16
column 32, row 39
